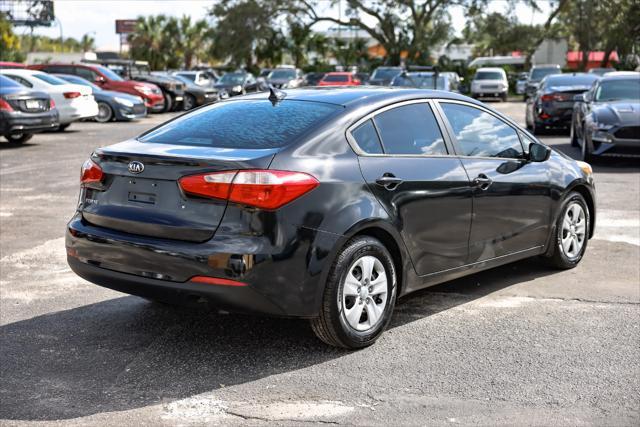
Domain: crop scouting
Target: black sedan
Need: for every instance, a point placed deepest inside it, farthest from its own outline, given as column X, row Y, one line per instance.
column 606, row 120
column 325, row 204
column 24, row 112
column 239, row 83
column 112, row 106
column 196, row 95
column 552, row 104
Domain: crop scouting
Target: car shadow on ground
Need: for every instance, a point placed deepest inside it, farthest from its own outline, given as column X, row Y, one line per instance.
column 4, row 145
column 128, row 353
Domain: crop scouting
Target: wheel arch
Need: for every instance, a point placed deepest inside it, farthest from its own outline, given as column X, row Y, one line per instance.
column 584, row 191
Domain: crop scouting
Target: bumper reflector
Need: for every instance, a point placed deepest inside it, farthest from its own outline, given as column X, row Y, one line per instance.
column 216, row 281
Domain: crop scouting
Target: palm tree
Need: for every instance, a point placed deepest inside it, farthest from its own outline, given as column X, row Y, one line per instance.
column 192, row 38
column 148, row 40
column 87, row 43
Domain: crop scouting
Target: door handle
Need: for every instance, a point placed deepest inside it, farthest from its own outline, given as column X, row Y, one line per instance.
column 482, row 182
column 389, row 181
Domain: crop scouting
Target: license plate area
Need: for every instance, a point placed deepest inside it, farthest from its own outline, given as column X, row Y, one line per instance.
column 148, row 198
column 32, row 104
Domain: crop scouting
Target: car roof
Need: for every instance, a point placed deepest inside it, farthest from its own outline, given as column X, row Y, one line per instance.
column 546, row 66
column 21, row 71
column 619, row 75
column 490, row 69
column 361, row 95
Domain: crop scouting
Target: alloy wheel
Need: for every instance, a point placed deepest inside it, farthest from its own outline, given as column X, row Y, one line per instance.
column 104, row 113
column 574, row 227
column 364, row 293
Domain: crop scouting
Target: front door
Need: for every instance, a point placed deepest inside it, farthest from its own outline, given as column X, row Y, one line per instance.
column 511, row 196
column 425, row 191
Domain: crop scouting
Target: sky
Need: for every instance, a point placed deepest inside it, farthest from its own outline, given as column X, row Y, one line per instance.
column 97, row 17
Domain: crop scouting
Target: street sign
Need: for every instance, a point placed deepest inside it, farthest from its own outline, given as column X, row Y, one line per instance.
column 125, row 26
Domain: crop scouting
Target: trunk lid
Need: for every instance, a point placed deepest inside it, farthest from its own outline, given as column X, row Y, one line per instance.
column 151, row 203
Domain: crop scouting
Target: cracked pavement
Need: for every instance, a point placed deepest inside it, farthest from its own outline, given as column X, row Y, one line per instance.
column 518, row 345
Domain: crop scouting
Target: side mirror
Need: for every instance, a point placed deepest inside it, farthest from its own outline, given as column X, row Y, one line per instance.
column 100, row 79
column 538, row 152
column 578, row 98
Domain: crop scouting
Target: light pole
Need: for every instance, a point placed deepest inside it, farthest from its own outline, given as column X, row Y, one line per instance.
column 61, row 37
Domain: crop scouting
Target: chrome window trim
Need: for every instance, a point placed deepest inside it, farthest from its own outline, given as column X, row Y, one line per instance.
column 356, row 148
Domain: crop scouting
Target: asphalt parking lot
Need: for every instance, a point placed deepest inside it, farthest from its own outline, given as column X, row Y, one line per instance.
column 518, row 345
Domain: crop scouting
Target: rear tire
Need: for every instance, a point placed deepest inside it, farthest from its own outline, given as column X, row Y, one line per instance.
column 62, row 128
column 189, row 102
column 503, row 97
column 359, row 295
column 574, row 135
column 18, row 138
column 571, row 233
column 168, row 102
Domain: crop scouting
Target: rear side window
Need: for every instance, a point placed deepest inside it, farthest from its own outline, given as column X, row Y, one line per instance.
column 480, row 134
column 86, row 74
column 367, row 138
column 410, row 129
column 23, row 82
column 243, row 124
column 52, row 80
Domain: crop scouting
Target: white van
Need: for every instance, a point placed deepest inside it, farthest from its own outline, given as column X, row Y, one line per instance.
column 490, row 83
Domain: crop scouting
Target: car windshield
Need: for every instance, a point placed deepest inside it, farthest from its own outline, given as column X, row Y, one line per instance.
column 618, row 90
column 538, row 74
column 422, row 82
column 336, row 78
column 385, row 73
column 80, row 81
column 489, row 75
column 255, row 124
column 48, row 78
column 571, row 80
column 109, row 73
column 233, row 78
column 7, row 82
column 283, row 74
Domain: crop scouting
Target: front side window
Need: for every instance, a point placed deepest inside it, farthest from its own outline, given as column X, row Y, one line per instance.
column 367, row 138
column 410, row 129
column 108, row 73
column 481, row 134
column 86, row 74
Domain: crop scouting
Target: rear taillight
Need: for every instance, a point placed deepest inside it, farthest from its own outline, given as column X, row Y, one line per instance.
column 90, row 173
column 52, row 104
column 4, row 105
column 71, row 95
column 265, row 189
column 555, row 97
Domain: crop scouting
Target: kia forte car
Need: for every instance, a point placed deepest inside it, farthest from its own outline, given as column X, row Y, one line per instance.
column 325, row 204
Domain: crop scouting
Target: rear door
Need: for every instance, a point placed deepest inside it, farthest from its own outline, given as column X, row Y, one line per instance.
column 511, row 196
column 406, row 162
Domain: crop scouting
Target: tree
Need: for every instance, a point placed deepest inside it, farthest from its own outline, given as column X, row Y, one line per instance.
column 9, row 42
column 497, row 34
column 414, row 26
column 87, row 43
column 192, row 39
column 155, row 40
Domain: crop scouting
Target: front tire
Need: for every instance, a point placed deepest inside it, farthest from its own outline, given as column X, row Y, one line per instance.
column 168, row 102
column 18, row 138
column 105, row 113
column 359, row 295
column 62, row 128
column 574, row 135
column 571, row 232
column 189, row 102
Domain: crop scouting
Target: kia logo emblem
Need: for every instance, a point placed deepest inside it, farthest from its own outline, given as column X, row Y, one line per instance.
column 136, row 167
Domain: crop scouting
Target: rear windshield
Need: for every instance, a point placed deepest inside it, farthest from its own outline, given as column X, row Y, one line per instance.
column 48, row 78
column 7, row 82
column 385, row 73
column 336, row 78
column 538, row 73
column 571, row 80
column 243, row 124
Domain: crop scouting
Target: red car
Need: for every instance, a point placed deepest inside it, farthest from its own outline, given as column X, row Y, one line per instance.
column 11, row 65
column 339, row 79
column 109, row 80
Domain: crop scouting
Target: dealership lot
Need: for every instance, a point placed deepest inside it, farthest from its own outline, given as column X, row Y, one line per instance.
column 521, row 344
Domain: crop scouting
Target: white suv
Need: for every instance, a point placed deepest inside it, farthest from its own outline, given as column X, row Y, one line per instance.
column 490, row 82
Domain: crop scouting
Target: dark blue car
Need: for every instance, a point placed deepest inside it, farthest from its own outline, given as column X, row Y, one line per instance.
column 118, row 106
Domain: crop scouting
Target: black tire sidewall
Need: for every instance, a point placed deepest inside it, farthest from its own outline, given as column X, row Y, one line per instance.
column 559, row 252
column 23, row 138
column 111, row 112
column 356, row 249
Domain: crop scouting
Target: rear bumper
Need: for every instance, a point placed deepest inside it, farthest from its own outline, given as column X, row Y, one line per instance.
column 282, row 276
column 12, row 123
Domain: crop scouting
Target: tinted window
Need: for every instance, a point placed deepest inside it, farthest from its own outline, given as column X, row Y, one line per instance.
column 385, row 73
column 52, row 80
column 570, row 80
column 539, row 73
column 481, row 134
column 243, row 124
column 233, row 78
column 367, row 138
column 336, row 78
column 109, row 74
column 410, row 129
column 489, row 75
column 58, row 69
column 7, row 82
column 86, row 74
column 20, row 80
column 618, row 89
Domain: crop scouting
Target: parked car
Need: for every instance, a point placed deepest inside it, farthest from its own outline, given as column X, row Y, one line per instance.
column 234, row 205
column 606, row 119
column 200, row 78
column 172, row 90
column 363, row 77
column 552, row 105
column 339, row 79
column 536, row 74
column 4, row 64
column 601, row 71
column 521, row 83
column 285, row 78
column 239, row 83
column 312, row 79
column 195, row 95
column 109, row 80
column 112, row 106
column 382, row 76
column 73, row 102
column 490, row 82
column 24, row 112
column 454, row 79
column 423, row 80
